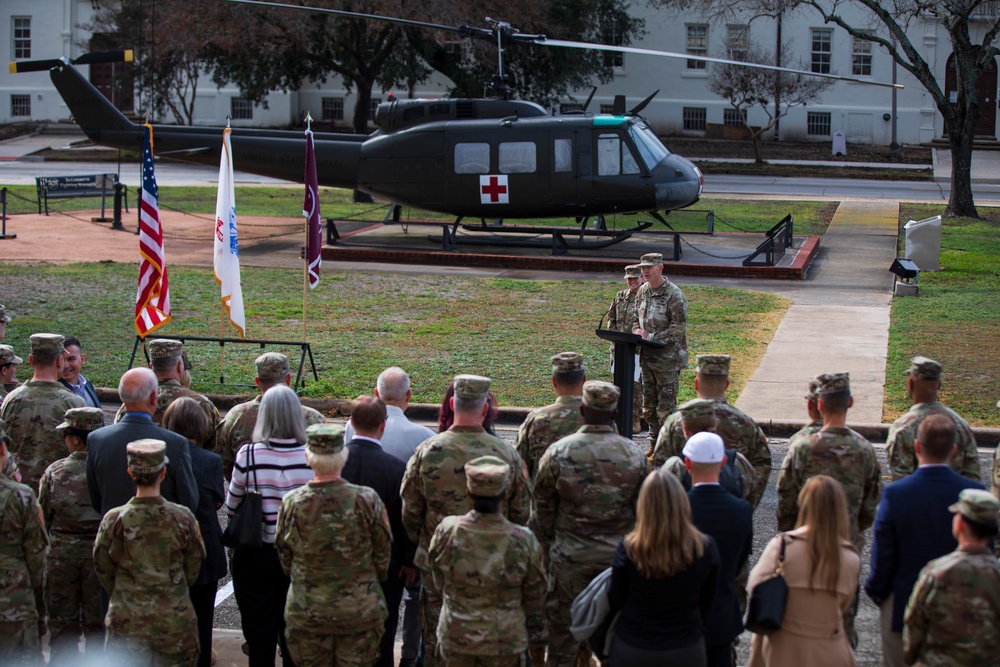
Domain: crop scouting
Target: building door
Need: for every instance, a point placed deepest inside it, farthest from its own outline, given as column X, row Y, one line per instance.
column 986, row 90
column 114, row 80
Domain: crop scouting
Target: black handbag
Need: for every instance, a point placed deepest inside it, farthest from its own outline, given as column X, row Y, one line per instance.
column 245, row 528
column 767, row 600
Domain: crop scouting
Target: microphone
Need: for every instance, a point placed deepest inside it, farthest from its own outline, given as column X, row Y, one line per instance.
column 614, row 303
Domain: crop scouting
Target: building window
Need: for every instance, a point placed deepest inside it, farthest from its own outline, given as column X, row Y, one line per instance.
column 697, row 45
column 822, row 46
column 607, row 109
column 472, row 158
column 372, row 108
column 694, row 118
column 517, row 157
column 20, row 105
column 21, row 30
column 240, row 108
column 613, row 37
column 861, row 57
column 333, row 108
column 818, row 123
column 734, row 117
column 736, row 41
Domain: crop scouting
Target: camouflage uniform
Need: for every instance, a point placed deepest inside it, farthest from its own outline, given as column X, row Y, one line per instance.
column 236, row 430
column 585, row 495
column 147, row 554
column 545, row 425
column 622, row 317
column 333, row 539
column 32, row 412
column 903, row 459
column 23, row 544
column 434, row 487
column 662, row 312
column 7, row 356
column 953, row 616
column 490, row 575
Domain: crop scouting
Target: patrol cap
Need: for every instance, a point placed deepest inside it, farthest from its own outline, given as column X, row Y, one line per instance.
column 813, row 391
column 146, row 456
column 697, row 408
column 272, row 366
column 567, row 362
column 713, row 364
column 633, row 271
column 7, row 356
column 923, row 368
column 831, row 383
column 325, row 438
column 651, row 259
column 47, row 343
column 977, row 505
column 486, row 476
column 4, row 317
column 600, row 395
column 165, row 348
column 82, row 419
column 704, row 447
column 472, row 387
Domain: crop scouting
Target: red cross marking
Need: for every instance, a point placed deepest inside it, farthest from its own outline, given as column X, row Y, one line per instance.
column 494, row 189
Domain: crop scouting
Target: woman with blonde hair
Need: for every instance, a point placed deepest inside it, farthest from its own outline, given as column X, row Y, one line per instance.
column 821, row 569
column 663, row 579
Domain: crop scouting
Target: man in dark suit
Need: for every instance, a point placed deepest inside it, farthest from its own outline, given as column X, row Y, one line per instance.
column 913, row 527
column 729, row 520
column 368, row 465
column 71, row 377
column 107, row 465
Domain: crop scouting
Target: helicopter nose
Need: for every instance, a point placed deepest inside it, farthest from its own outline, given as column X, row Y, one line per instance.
column 680, row 184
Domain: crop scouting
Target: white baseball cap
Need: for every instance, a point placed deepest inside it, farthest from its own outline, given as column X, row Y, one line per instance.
column 704, row 447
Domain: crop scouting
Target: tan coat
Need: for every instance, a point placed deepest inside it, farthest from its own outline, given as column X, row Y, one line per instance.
column 812, row 632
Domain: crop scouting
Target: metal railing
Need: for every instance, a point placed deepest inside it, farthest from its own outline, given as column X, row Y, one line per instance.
column 779, row 238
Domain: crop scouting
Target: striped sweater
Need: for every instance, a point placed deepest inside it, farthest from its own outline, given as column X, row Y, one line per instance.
column 279, row 466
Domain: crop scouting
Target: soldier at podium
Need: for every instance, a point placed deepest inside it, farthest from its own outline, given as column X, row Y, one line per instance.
column 621, row 317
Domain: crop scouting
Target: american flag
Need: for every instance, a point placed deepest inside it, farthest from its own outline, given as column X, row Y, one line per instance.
column 152, row 301
column 310, row 209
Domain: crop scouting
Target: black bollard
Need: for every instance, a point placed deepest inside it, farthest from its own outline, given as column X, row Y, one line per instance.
column 116, row 221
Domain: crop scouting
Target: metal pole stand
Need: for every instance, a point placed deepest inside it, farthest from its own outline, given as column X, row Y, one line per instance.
column 3, row 216
column 116, row 221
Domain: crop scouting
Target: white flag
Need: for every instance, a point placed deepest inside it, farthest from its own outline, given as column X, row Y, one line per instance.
column 227, row 246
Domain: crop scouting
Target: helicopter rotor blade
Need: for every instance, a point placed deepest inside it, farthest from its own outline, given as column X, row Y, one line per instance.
column 589, row 98
column 642, row 105
column 707, row 59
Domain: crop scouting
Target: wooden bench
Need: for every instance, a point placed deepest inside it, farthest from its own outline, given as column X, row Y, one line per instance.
column 68, row 187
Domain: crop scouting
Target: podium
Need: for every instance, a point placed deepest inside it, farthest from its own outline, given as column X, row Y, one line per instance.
column 625, row 346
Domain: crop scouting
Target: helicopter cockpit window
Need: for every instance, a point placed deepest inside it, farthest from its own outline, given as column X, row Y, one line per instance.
column 648, row 144
column 563, row 149
column 614, row 157
column 472, row 158
column 517, row 157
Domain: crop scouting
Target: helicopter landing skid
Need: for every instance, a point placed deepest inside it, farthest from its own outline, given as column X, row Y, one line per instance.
column 563, row 239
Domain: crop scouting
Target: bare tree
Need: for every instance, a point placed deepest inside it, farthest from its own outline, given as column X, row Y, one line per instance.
column 747, row 88
column 972, row 26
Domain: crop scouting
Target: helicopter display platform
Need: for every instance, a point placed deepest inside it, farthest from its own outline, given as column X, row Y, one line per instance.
column 778, row 255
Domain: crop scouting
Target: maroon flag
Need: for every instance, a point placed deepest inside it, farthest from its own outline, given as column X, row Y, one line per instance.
column 310, row 209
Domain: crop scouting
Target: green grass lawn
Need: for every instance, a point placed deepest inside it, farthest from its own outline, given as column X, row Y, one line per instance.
column 955, row 320
column 360, row 323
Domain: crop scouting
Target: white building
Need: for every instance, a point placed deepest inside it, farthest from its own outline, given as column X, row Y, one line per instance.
column 36, row 29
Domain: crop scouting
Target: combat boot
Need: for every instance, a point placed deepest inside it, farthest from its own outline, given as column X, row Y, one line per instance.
column 537, row 656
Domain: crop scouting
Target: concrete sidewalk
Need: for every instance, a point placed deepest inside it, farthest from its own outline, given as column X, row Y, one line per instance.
column 985, row 165
column 840, row 324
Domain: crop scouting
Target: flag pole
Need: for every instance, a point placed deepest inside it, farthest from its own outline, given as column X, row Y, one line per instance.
column 305, row 251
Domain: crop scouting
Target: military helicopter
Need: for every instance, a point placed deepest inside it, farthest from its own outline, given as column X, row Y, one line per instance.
column 471, row 158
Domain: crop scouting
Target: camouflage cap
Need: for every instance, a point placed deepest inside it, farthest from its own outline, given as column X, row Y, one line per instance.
column 831, row 383
column 567, row 362
column 7, row 356
column 472, row 387
column 633, row 271
column 704, row 447
column 4, row 317
column 272, row 366
column 47, row 343
column 697, row 408
column 977, row 505
column 713, row 364
column 146, row 455
column 82, row 419
column 325, row 438
column 651, row 259
column 164, row 348
column 923, row 368
column 486, row 476
column 813, row 391
column 600, row 395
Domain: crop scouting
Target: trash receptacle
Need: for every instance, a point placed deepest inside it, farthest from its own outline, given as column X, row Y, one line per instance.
column 923, row 243
column 839, row 144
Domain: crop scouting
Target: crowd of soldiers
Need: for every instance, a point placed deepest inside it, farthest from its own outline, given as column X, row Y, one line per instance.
column 505, row 537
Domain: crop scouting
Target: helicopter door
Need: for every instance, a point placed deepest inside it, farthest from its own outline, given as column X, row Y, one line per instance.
column 562, row 176
column 619, row 181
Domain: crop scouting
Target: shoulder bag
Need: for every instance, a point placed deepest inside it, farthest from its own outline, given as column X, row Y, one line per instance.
column 766, row 608
column 245, row 528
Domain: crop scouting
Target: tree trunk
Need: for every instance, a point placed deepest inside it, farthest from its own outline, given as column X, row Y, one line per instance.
column 755, row 138
column 362, row 111
column 961, row 202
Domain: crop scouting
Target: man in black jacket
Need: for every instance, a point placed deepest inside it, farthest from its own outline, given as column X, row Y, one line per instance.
column 368, row 465
column 729, row 520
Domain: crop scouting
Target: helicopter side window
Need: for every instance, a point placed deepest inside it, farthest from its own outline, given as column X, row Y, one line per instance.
column 517, row 157
column 563, row 150
column 614, row 157
column 472, row 158
column 649, row 145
